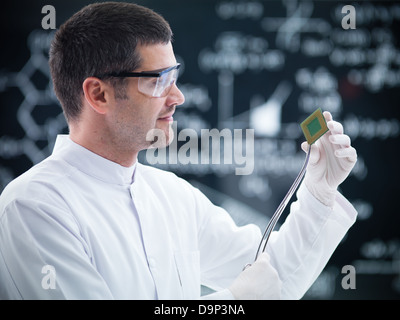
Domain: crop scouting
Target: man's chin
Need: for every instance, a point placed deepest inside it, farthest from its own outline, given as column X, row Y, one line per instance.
column 160, row 138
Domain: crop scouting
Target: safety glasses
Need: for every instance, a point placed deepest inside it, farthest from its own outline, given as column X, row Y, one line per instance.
column 153, row 84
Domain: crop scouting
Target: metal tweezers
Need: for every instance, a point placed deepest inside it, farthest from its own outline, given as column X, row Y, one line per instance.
column 275, row 217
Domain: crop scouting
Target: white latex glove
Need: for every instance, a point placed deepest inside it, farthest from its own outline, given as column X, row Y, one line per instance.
column 331, row 160
column 260, row 281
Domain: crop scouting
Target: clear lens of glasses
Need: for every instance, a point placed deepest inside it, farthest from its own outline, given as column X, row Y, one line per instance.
column 158, row 87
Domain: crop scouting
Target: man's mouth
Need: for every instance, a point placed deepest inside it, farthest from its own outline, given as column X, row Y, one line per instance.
column 168, row 118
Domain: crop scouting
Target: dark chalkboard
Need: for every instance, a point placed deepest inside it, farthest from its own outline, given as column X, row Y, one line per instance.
column 262, row 65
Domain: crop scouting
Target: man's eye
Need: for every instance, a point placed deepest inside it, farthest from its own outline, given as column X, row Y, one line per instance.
column 150, row 83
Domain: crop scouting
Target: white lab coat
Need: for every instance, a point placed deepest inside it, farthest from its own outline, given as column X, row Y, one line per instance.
column 111, row 232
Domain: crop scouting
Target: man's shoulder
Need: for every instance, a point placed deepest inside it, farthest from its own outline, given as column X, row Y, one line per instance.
column 38, row 181
column 153, row 171
column 162, row 177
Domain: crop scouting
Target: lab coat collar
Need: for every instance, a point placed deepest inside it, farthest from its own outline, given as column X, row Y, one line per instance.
column 92, row 164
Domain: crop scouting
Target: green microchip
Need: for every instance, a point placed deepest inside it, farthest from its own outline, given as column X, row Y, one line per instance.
column 314, row 126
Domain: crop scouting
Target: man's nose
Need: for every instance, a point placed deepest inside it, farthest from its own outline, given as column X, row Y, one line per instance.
column 176, row 96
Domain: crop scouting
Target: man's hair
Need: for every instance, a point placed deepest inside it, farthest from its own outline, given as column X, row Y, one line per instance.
column 99, row 39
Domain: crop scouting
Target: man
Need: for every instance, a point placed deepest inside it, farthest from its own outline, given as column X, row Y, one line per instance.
column 90, row 222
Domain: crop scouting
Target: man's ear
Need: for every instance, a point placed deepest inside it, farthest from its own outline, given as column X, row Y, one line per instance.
column 97, row 94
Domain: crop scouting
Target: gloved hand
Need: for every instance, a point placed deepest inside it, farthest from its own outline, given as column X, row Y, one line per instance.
column 260, row 281
column 331, row 160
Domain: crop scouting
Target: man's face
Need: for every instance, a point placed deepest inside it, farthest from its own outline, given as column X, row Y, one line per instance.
column 138, row 119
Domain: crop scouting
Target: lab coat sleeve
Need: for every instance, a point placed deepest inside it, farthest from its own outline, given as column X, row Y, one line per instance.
column 305, row 242
column 299, row 250
column 42, row 255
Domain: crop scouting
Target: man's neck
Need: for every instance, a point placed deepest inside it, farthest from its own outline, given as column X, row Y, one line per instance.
column 102, row 147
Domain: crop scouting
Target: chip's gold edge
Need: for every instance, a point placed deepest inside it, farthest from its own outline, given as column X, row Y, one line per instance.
column 324, row 129
column 317, row 113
